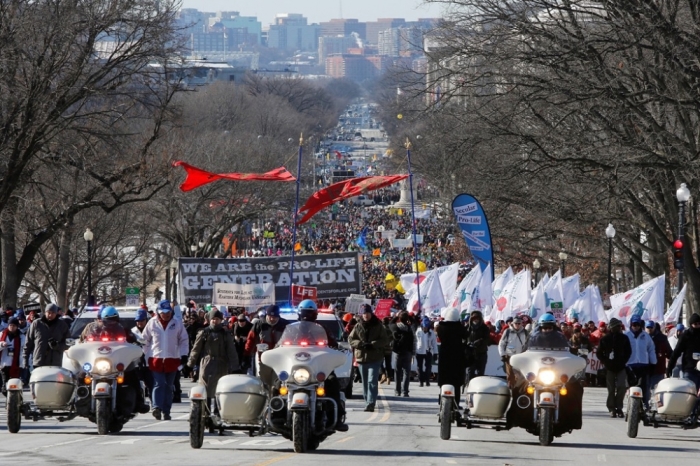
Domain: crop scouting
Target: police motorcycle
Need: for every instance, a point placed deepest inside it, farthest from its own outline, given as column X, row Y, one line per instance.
column 545, row 398
column 672, row 403
column 302, row 360
column 96, row 380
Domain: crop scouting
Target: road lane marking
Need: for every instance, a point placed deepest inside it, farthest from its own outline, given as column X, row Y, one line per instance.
column 602, row 459
column 275, row 460
column 451, row 462
column 345, row 439
column 385, row 403
column 213, row 441
column 129, row 441
column 184, row 416
column 263, row 442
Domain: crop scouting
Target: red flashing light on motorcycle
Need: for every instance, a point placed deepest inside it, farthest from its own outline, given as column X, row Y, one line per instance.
column 121, row 339
column 120, row 367
column 105, row 338
column 564, row 378
column 90, row 339
column 321, row 376
column 287, row 343
column 321, row 343
column 304, row 343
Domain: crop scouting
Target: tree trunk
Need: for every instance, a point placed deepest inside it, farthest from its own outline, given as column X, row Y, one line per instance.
column 64, row 266
column 10, row 282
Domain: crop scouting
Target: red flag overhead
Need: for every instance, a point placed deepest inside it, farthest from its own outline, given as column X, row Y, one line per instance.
column 344, row 190
column 197, row 177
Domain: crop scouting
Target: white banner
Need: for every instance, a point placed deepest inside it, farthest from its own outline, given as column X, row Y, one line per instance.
column 483, row 295
column 399, row 243
column 674, row 313
column 645, row 301
column 582, row 309
column 251, row 295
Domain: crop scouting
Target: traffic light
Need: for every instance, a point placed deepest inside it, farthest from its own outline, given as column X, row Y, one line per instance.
column 678, row 254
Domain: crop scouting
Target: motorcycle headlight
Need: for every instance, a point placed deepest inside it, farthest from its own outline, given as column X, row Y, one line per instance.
column 103, row 366
column 547, row 377
column 302, row 376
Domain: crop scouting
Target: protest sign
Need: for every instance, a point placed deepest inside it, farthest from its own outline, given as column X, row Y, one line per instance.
column 251, row 295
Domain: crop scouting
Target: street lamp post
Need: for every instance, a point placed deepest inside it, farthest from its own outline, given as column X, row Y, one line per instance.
column 562, row 258
column 88, row 237
column 610, row 233
column 536, row 265
column 683, row 195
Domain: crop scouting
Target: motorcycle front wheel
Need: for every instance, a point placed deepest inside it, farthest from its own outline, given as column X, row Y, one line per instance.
column 445, row 418
column 197, row 424
column 634, row 407
column 103, row 415
column 14, row 411
column 546, row 421
column 300, row 431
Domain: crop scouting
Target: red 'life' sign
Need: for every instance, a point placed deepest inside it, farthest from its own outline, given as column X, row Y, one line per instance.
column 383, row 308
column 300, row 293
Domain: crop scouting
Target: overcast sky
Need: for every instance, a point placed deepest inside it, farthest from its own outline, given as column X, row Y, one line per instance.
column 321, row 10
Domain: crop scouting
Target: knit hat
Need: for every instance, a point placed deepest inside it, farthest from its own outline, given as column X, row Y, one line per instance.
column 614, row 322
column 366, row 309
column 695, row 318
column 214, row 314
column 51, row 307
column 13, row 321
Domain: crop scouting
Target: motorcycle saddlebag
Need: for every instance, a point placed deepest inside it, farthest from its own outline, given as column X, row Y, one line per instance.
column 487, row 397
column 675, row 397
column 242, row 399
column 52, row 387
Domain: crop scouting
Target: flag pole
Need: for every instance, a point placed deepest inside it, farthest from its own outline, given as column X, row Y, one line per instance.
column 407, row 145
column 296, row 213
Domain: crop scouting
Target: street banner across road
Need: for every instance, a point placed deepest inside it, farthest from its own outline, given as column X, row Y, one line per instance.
column 235, row 294
column 333, row 275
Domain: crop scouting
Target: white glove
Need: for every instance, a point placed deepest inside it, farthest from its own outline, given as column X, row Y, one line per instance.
column 3, row 344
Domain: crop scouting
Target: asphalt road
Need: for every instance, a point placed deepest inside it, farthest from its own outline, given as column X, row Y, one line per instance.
column 402, row 430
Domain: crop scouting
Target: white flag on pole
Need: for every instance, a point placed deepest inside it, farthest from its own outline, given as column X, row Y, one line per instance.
column 500, row 282
column 462, row 297
column 643, row 301
column 515, row 298
column 554, row 296
column 483, row 295
column 539, row 302
column 431, row 296
column 448, row 280
column 674, row 313
column 571, row 289
column 545, row 279
column 598, row 313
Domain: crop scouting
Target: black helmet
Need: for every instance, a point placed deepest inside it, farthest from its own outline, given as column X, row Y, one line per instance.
column 307, row 310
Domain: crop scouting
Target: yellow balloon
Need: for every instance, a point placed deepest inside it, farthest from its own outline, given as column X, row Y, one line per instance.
column 400, row 289
column 421, row 266
column 399, row 116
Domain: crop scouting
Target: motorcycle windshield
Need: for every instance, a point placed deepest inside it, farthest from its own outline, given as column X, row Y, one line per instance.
column 106, row 333
column 552, row 340
column 303, row 334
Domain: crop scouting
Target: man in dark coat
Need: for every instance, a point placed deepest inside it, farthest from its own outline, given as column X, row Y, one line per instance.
column 451, row 352
column 215, row 348
column 46, row 339
column 479, row 338
column 688, row 346
column 369, row 339
column 403, row 348
column 614, row 352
